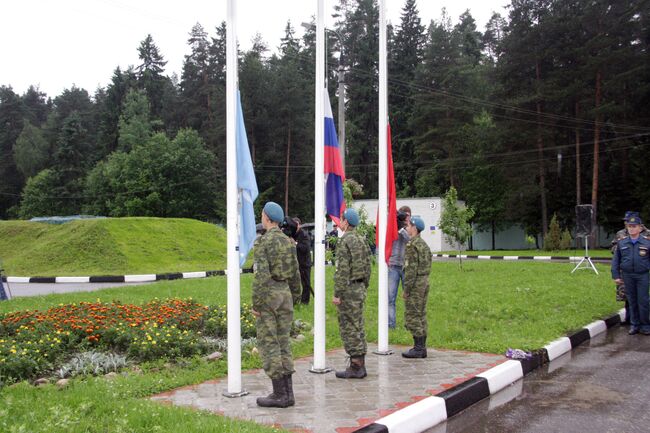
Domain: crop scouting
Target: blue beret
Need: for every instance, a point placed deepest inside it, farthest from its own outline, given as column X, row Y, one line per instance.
column 274, row 211
column 417, row 222
column 351, row 216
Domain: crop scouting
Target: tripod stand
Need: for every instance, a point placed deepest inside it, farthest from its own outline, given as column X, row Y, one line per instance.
column 586, row 262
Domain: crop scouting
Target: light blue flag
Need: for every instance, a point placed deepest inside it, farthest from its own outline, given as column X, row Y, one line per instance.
column 247, row 186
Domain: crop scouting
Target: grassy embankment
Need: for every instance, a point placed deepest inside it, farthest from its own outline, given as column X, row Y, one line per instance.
column 112, row 246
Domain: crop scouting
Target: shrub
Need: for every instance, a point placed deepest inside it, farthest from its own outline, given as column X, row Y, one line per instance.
column 92, row 362
column 565, row 241
column 553, row 236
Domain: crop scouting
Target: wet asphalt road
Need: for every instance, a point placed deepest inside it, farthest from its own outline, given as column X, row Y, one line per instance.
column 601, row 386
column 40, row 289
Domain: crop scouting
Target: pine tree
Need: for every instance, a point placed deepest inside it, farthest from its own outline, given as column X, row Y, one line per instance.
column 361, row 34
column 36, row 106
column 292, row 94
column 149, row 74
column 484, row 184
column 405, row 57
column 110, row 108
column 135, row 126
column 430, row 113
column 523, row 70
column 259, row 115
column 450, row 78
column 195, row 82
column 494, row 32
column 11, row 119
column 78, row 101
column 217, row 56
column 31, row 151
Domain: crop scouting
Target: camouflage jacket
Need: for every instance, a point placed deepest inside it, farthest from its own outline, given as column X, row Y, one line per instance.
column 352, row 262
column 275, row 266
column 417, row 262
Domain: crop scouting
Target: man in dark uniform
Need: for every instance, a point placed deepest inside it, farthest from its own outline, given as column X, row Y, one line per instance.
column 620, row 288
column 303, row 248
column 351, row 280
column 632, row 260
column 275, row 288
column 417, row 266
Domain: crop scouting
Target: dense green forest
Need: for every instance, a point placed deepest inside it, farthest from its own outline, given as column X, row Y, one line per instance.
column 546, row 108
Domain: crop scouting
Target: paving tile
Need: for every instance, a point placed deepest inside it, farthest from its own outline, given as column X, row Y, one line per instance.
column 326, row 404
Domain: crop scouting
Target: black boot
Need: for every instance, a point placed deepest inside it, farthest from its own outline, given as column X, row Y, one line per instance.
column 423, row 346
column 419, row 349
column 361, row 362
column 278, row 398
column 356, row 369
column 288, row 383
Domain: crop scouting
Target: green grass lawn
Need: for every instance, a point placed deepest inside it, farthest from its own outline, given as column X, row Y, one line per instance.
column 488, row 307
column 599, row 253
column 111, row 246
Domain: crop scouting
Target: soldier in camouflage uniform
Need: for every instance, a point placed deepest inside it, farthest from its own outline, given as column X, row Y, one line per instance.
column 350, row 287
column 620, row 288
column 275, row 288
column 417, row 266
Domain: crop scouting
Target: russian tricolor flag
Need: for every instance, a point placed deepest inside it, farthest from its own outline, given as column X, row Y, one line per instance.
column 334, row 201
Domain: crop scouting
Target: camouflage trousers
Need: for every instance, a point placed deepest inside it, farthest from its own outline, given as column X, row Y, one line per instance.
column 415, row 308
column 620, row 292
column 273, row 329
column 351, row 321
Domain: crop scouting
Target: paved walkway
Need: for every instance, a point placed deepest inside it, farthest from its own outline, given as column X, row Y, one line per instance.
column 325, row 404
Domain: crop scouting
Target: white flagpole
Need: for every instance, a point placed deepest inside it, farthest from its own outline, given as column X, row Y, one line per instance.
column 319, row 201
column 382, row 319
column 233, row 307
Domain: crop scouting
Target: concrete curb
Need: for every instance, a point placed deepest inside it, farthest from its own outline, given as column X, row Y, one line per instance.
column 120, row 278
column 204, row 274
column 536, row 258
column 433, row 410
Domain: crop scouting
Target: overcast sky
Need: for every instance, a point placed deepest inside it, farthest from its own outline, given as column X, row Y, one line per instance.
column 57, row 43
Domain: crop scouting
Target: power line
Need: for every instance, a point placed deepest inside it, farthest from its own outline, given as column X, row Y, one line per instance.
column 475, row 101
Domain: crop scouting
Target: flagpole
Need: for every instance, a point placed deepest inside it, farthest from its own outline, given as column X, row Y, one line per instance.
column 233, row 303
column 382, row 332
column 319, row 365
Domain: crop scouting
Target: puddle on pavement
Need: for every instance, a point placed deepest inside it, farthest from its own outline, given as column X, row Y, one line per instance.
column 583, row 396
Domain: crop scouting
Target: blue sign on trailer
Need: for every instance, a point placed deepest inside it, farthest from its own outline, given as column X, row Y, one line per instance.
column 3, row 291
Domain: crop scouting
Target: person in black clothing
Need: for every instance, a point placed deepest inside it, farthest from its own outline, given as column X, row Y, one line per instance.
column 303, row 248
column 291, row 228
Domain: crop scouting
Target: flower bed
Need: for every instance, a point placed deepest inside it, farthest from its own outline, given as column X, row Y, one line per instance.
column 36, row 342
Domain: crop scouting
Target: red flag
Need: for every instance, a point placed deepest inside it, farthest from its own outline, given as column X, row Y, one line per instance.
column 391, row 224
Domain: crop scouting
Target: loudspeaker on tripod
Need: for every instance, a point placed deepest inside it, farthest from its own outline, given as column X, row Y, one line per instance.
column 584, row 213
